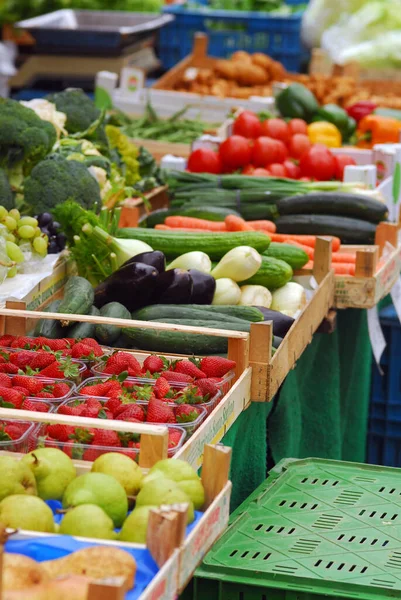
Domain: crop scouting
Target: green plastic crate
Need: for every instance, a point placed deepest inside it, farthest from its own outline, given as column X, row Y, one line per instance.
column 314, row 529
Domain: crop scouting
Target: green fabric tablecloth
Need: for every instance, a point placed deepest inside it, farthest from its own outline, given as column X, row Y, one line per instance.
column 320, row 411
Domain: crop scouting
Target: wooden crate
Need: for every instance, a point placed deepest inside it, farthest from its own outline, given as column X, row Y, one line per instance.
column 135, row 208
column 176, row 555
column 158, row 149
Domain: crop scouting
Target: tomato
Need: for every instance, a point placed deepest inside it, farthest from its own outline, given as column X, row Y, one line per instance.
column 247, row 125
column 299, row 144
column 235, row 152
column 342, row 161
column 204, row 160
column 267, row 151
column 248, row 170
column 278, row 170
column 281, row 151
column 293, row 171
column 318, row 163
column 261, row 172
column 298, row 126
column 276, row 129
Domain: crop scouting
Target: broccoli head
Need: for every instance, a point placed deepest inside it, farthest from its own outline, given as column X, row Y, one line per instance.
column 6, row 194
column 55, row 180
column 24, row 138
column 81, row 112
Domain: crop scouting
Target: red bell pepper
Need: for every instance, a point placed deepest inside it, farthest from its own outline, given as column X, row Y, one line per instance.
column 361, row 109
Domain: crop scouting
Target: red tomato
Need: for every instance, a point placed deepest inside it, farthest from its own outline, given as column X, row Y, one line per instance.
column 261, row 172
column 267, row 151
column 249, row 169
column 247, row 125
column 299, row 144
column 204, row 160
column 318, row 163
column 235, row 152
column 276, row 129
column 342, row 160
column 298, row 126
column 281, row 152
column 293, row 171
column 278, row 170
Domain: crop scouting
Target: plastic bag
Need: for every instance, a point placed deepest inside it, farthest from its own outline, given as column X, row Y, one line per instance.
column 8, row 53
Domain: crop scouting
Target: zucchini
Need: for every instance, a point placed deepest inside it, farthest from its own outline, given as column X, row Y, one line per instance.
column 157, row 312
column 216, row 245
column 108, row 334
column 179, row 342
column 246, row 313
column 273, row 273
column 259, row 210
column 78, row 297
column 51, row 329
column 338, row 204
column 83, row 330
column 350, row 231
column 295, row 257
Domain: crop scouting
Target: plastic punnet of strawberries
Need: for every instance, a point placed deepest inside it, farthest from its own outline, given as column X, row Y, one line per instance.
column 87, row 348
column 32, row 393
column 12, row 433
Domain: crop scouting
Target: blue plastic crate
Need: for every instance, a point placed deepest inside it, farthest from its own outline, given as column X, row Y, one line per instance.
column 277, row 36
column 384, row 434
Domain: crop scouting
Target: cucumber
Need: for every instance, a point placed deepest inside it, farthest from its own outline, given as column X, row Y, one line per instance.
column 295, row 257
column 255, row 211
column 273, row 273
column 51, row 329
column 338, row 204
column 350, row 231
column 78, row 297
column 83, row 330
column 108, row 334
column 216, row 245
column 211, row 213
column 157, row 312
column 247, row 313
column 178, row 342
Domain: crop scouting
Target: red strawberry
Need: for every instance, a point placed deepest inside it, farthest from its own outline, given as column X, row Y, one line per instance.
column 207, row 388
column 70, row 410
column 106, row 438
column 174, row 438
column 9, row 368
column 35, row 406
column 42, row 360
column 34, row 386
column 89, row 411
column 101, row 389
column 113, row 404
column 133, row 411
column 10, row 396
column 5, row 380
column 22, row 342
column 93, row 403
column 21, row 389
column 60, row 432
column 189, row 396
column 91, row 454
column 10, row 432
column 188, row 368
column 154, row 364
column 74, row 451
column 162, row 387
column 216, row 366
column 174, row 377
column 91, row 342
column 60, row 390
column 82, row 351
column 60, row 369
column 56, row 345
column 123, row 361
column 6, row 341
column 44, row 395
column 22, row 359
column 105, row 414
column 185, row 413
column 159, row 412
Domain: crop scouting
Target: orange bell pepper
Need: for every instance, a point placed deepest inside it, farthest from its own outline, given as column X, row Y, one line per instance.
column 374, row 129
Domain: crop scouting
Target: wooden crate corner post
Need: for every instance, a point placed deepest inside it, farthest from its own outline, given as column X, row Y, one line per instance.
column 366, row 262
column 215, row 471
column 153, row 448
column 260, row 353
column 166, row 531
column 322, row 259
column 386, row 232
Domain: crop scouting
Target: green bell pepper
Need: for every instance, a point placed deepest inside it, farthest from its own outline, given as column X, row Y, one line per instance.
column 297, row 102
column 339, row 117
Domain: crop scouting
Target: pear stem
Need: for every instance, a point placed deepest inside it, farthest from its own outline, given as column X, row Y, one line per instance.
column 62, row 511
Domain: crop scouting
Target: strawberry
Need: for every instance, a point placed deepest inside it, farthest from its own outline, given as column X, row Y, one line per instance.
column 185, row 413
column 42, row 360
column 5, row 380
column 113, row 404
column 34, row 386
column 101, row 389
column 154, row 364
column 74, row 451
column 10, row 398
column 216, row 366
column 143, row 392
column 188, row 368
column 9, row 368
column 22, row 342
column 105, row 414
column 44, row 395
column 90, row 342
column 21, row 389
column 40, row 342
column 189, row 396
column 89, row 411
column 162, row 387
column 57, row 345
column 174, row 438
column 174, row 377
column 35, row 406
column 60, row 369
column 6, row 341
column 82, row 351
column 123, row 361
column 10, row 432
column 91, row 454
column 133, row 411
column 66, row 409
column 106, row 438
column 159, row 412
column 22, row 359
column 93, row 403
column 60, row 432
column 60, row 390
column 207, row 388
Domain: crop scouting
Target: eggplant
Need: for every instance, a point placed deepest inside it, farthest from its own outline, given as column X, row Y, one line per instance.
column 153, row 258
column 174, row 287
column 277, row 341
column 132, row 285
column 281, row 323
column 204, row 286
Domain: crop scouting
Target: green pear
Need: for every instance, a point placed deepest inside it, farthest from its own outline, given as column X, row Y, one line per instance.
column 26, row 512
column 135, row 526
column 88, row 520
column 100, row 489
column 164, row 491
column 16, row 478
column 184, row 475
column 122, row 468
column 53, row 471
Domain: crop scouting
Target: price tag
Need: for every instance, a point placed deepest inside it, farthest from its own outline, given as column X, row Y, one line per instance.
column 395, row 294
column 376, row 336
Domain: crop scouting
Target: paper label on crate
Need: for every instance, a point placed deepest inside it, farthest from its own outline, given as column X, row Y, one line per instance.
column 376, row 336
column 132, row 80
column 395, row 294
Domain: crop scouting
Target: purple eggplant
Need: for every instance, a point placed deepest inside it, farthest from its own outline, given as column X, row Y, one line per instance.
column 174, row 287
column 203, row 289
column 281, row 323
column 153, row 258
column 133, row 285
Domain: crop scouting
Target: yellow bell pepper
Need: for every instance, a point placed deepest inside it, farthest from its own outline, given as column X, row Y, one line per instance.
column 325, row 133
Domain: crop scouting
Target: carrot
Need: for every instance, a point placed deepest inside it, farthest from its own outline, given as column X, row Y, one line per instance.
column 234, row 223
column 194, row 223
column 307, row 240
column 309, row 251
column 263, row 226
column 186, row 229
column 163, row 227
column 309, row 265
column 343, row 269
column 339, row 257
